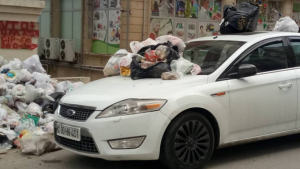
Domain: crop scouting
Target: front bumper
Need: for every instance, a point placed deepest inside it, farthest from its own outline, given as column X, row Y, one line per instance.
column 152, row 125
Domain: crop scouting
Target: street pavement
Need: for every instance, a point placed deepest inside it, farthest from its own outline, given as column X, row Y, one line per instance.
column 280, row 153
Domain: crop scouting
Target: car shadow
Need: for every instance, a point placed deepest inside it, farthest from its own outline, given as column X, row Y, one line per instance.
column 254, row 150
column 219, row 159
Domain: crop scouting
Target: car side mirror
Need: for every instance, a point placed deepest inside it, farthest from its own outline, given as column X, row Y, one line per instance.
column 246, row 70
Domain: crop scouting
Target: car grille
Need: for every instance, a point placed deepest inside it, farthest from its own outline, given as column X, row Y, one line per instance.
column 86, row 144
column 80, row 115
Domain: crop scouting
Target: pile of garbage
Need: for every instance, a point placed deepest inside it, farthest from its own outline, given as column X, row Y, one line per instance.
column 160, row 58
column 28, row 100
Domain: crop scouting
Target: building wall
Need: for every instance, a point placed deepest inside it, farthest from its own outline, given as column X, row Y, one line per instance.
column 133, row 28
column 20, row 10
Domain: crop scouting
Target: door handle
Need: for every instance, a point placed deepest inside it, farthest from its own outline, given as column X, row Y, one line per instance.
column 285, row 86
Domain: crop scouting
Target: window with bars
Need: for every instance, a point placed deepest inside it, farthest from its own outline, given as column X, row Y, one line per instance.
column 187, row 19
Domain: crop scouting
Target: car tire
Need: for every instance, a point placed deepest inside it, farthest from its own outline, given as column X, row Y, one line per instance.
column 188, row 142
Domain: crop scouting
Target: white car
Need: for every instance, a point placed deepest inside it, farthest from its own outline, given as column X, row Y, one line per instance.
column 248, row 91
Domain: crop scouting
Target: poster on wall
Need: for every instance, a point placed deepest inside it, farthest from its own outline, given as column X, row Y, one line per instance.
column 100, row 32
column 162, row 8
column 114, row 31
column 186, row 8
column 114, row 3
column 210, row 10
column 191, row 30
column 179, row 29
column 208, row 29
column 100, row 4
column 100, row 25
column 273, row 11
column 159, row 27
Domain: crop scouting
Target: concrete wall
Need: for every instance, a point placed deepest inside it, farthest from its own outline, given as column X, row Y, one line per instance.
column 20, row 10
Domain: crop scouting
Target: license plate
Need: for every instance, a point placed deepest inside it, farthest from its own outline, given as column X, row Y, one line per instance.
column 69, row 132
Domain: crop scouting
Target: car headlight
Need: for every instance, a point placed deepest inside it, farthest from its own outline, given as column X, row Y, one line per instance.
column 132, row 106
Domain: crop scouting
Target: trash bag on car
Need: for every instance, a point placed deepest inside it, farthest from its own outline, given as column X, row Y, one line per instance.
column 240, row 18
column 154, row 71
column 286, row 24
column 172, row 51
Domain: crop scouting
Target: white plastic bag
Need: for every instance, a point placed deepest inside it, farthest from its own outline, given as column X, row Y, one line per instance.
column 3, row 114
column 38, row 145
column 33, row 64
column 27, row 124
column 24, row 76
column 15, row 64
column 41, row 79
column 182, row 65
column 125, row 64
column 54, row 82
column 9, row 133
column 10, row 85
column 34, row 109
column 49, row 127
column 286, row 24
column 21, row 107
column 3, row 87
column 174, row 40
column 135, row 46
column 47, row 119
column 65, row 86
column 112, row 67
column 196, row 70
column 49, row 89
column 10, row 100
column 4, row 148
column 18, row 90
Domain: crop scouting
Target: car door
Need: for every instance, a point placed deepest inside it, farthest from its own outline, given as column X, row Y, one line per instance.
column 265, row 103
column 294, row 43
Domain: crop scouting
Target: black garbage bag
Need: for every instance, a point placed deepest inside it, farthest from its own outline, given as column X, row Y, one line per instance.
column 172, row 53
column 154, row 71
column 46, row 105
column 57, row 96
column 3, row 138
column 241, row 18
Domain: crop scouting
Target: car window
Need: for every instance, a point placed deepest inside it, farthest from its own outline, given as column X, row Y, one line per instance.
column 296, row 46
column 268, row 57
column 210, row 55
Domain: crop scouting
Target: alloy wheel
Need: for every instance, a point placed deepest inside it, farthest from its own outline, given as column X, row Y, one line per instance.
column 192, row 141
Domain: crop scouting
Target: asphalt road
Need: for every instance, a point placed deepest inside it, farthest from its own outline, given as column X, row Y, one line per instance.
column 280, row 153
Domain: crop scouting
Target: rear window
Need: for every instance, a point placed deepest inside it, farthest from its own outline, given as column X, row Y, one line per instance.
column 210, row 55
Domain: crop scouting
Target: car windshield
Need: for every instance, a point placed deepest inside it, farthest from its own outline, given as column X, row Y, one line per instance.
column 210, row 55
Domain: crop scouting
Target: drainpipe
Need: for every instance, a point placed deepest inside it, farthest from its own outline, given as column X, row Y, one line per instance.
column 128, row 13
column 144, row 19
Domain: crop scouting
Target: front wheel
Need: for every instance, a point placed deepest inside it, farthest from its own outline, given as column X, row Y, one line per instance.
column 188, row 142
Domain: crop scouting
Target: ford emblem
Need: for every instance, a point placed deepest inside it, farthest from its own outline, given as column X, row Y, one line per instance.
column 70, row 113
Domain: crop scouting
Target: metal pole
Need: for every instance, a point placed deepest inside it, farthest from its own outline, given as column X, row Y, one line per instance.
column 144, row 19
column 127, row 33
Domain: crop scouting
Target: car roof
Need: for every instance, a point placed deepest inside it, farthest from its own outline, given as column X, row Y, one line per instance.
column 247, row 36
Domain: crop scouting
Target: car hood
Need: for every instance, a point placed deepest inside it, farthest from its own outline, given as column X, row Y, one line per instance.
column 105, row 92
